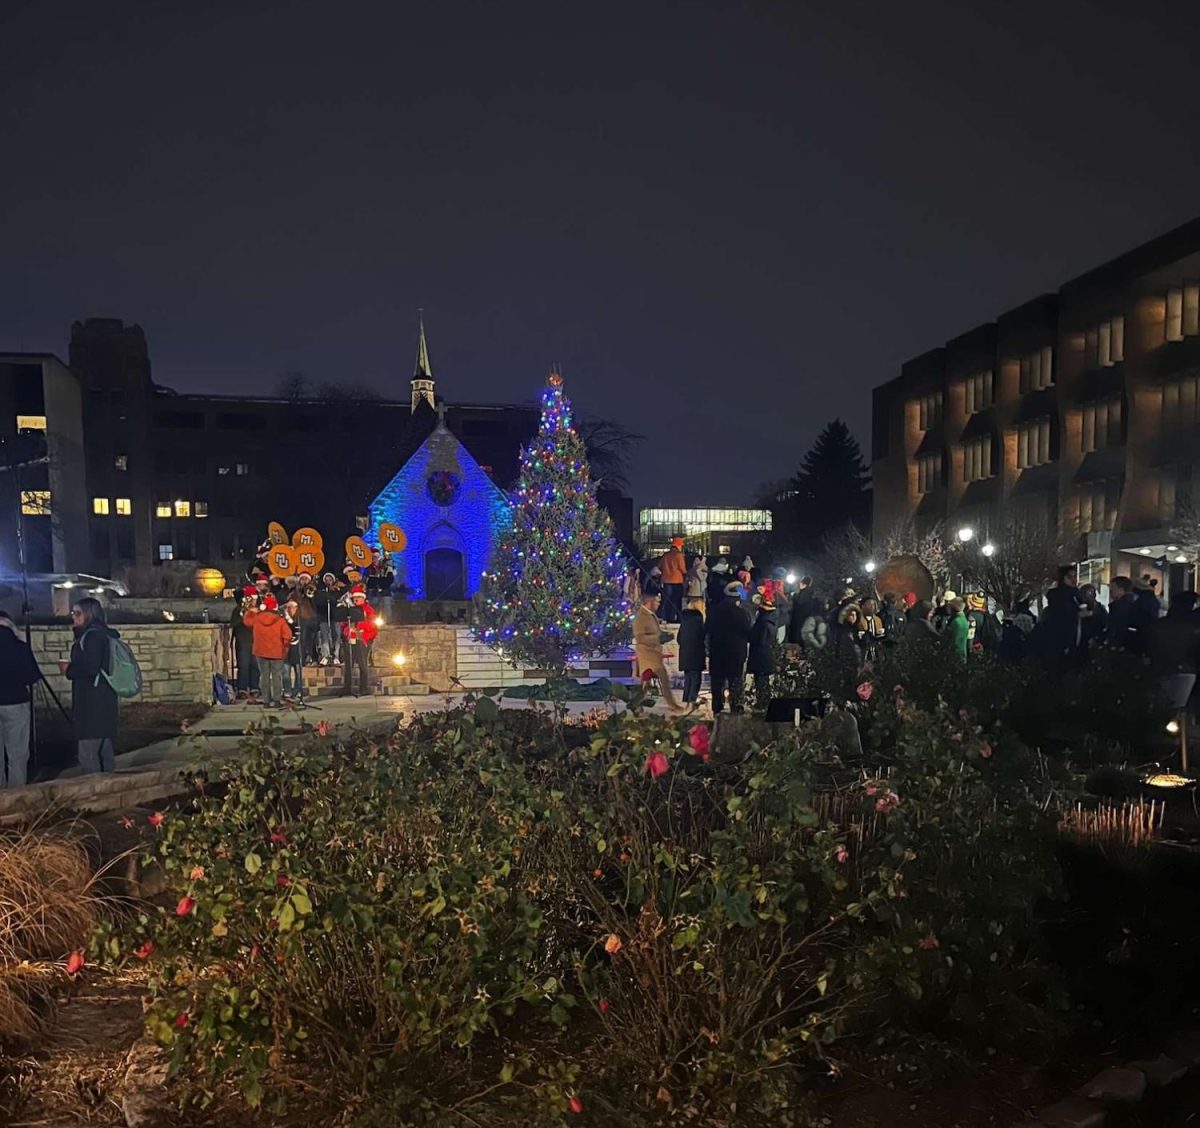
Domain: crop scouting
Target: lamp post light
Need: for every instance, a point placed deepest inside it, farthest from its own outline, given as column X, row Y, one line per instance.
column 790, row 579
column 966, row 533
column 988, row 550
column 870, row 567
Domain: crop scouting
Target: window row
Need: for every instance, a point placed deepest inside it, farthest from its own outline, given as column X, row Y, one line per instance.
column 978, row 392
column 1181, row 402
column 1183, row 311
column 1037, row 370
column 120, row 505
column 1104, row 344
column 181, row 508
column 929, row 411
column 1101, row 425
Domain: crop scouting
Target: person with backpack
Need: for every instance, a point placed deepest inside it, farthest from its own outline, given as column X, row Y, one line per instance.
column 94, row 702
column 18, row 673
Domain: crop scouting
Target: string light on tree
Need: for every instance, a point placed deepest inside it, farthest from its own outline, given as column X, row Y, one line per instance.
column 552, row 593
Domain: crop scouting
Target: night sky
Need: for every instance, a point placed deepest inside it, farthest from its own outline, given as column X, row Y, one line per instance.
column 727, row 222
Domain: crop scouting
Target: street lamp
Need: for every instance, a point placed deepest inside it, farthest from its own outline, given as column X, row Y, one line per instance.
column 988, row 549
column 790, row 578
column 870, row 567
column 965, row 533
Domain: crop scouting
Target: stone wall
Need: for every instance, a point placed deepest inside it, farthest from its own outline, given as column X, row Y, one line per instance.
column 430, row 649
column 177, row 659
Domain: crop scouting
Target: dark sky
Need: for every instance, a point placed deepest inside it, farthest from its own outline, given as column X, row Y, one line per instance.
column 727, row 221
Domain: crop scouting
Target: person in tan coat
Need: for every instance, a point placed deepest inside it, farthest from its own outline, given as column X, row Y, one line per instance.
column 647, row 639
column 272, row 637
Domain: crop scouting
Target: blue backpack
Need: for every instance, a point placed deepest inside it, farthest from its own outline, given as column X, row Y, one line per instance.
column 222, row 691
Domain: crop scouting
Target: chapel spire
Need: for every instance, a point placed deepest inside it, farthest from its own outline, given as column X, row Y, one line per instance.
column 422, row 381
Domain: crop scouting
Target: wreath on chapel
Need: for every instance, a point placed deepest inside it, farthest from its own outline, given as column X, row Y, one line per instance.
column 443, row 487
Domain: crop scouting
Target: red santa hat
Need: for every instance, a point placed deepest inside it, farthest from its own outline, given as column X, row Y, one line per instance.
column 249, row 589
column 271, row 603
column 358, row 590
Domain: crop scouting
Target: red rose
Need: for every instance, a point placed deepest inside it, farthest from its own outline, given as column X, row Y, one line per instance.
column 647, row 677
column 75, row 963
column 841, row 853
column 985, row 750
column 283, row 881
column 143, row 953
column 185, row 906
column 698, row 738
column 929, row 943
column 181, row 1020
column 603, row 1005
column 278, row 838
column 575, row 1104
column 657, row 764
column 864, row 691
column 156, row 819
column 324, row 728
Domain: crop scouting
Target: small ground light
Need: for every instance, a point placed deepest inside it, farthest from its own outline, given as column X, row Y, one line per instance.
column 965, row 534
column 1172, row 727
column 379, row 620
column 399, row 659
column 988, row 550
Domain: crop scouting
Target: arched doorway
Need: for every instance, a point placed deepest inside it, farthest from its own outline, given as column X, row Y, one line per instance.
column 445, row 574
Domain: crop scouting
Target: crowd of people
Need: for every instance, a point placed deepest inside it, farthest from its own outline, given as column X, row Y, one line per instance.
column 737, row 623
column 283, row 624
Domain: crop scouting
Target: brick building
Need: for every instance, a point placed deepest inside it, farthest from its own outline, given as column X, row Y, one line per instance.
column 1082, row 406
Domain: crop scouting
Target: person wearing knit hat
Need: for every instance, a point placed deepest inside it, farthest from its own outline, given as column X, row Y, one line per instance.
column 272, row 637
column 760, row 660
column 359, row 632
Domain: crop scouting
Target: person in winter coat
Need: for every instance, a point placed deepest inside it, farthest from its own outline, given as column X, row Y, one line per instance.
column 848, row 634
column 673, row 564
column 728, row 645
column 871, row 624
column 718, row 577
column 803, row 603
column 1058, row 629
column 1093, row 618
column 293, row 664
column 1150, row 606
column 983, row 627
column 272, row 638
column 325, row 603
column 359, row 632
column 695, row 583
column 920, row 635
column 1125, row 625
column 18, row 673
column 306, row 616
column 94, row 706
column 894, row 620
column 760, row 661
column 957, row 631
column 245, row 681
column 1173, row 647
column 692, row 655
column 648, row 645
column 814, row 632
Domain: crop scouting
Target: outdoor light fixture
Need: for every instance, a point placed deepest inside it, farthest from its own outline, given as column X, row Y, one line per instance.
column 790, row 577
column 965, row 533
column 1172, row 727
column 988, row 550
column 870, row 566
column 1172, row 548
column 1181, row 559
column 67, row 584
column 169, row 616
column 1144, row 551
column 399, row 659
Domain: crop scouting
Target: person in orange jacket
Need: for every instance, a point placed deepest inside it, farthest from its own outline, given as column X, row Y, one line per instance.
column 360, row 632
column 272, row 637
column 673, row 565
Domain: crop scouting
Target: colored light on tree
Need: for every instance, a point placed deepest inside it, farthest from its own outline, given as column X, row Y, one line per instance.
column 552, row 593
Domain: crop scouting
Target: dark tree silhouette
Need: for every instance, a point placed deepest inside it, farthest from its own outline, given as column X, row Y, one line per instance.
column 830, row 490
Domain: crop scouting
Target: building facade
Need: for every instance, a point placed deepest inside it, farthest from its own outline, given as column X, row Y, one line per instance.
column 712, row 529
column 1080, row 407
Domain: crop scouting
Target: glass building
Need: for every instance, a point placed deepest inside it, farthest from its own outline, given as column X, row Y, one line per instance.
column 710, row 529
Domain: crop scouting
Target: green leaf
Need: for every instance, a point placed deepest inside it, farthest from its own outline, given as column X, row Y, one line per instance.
column 301, row 903
column 506, row 1072
column 601, row 845
column 253, row 863
column 287, row 917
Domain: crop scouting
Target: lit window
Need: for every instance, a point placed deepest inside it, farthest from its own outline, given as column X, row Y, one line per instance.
column 978, row 390
column 183, row 509
column 929, row 411
column 243, row 468
column 977, row 459
column 1033, row 444
column 929, row 473
column 1104, row 344
column 35, row 503
column 121, row 462
column 1037, row 370
column 1096, row 509
column 1101, row 425
column 162, row 509
column 725, row 549
column 124, row 508
column 100, row 506
column 1182, row 312
column 166, row 552
column 31, row 423
column 199, row 508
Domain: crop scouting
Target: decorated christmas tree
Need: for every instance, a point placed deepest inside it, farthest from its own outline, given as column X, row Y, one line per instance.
column 552, row 592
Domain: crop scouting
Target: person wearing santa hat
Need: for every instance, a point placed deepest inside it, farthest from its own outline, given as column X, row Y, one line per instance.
column 272, row 637
column 358, row 631
column 245, row 681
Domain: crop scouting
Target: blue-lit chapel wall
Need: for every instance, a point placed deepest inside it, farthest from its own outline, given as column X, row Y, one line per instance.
column 472, row 522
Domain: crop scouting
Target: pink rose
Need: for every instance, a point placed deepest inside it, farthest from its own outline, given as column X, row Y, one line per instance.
column 698, row 738
column 929, row 943
column 864, row 691
column 657, row 764
column 841, row 854
column 985, row 750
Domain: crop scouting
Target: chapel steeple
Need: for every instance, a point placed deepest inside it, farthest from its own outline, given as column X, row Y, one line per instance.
column 422, row 381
